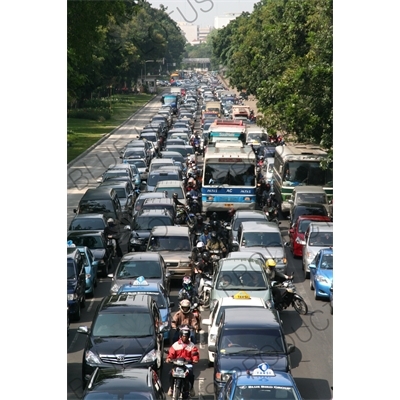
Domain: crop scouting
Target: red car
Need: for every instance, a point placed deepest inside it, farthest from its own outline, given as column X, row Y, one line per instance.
column 296, row 233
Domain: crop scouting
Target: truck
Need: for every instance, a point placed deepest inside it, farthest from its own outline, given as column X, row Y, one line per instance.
column 214, row 106
column 238, row 110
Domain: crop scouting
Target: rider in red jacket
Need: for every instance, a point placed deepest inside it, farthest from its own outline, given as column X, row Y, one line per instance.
column 183, row 348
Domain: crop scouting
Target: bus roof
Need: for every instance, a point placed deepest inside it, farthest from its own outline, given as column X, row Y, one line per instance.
column 244, row 153
column 302, row 151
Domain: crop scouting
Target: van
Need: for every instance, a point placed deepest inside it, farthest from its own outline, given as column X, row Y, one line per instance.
column 247, row 336
column 160, row 204
column 102, row 200
column 162, row 175
column 159, row 162
column 308, row 194
column 319, row 235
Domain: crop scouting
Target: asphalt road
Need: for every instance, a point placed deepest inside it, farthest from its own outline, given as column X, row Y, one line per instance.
column 312, row 334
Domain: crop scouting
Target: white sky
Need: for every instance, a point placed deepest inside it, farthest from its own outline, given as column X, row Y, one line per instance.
column 203, row 12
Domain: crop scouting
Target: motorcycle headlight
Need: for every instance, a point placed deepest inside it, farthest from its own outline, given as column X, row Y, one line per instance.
column 92, row 358
column 114, row 289
column 72, row 296
column 150, row 356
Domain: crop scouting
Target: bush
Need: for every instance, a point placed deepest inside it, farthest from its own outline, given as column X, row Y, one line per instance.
column 95, row 114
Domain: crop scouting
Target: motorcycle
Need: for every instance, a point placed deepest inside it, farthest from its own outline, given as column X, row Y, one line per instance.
column 204, row 290
column 289, row 297
column 184, row 216
column 215, row 256
column 180, row 372
column 111, row 245
column 272, row 214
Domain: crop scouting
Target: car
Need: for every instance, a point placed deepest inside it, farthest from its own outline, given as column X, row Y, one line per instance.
column 321, row 274
column 262, row 382
column 240, row 274
column 240, row 299
column 88, row 222
column 144, row 196
column 143, row 222
column 159, row 162
column 307, row 209
column 97, row 243
column 268, row 169
column 159, row 294
column 125, row 193
column 138, row 152
column 308, row 194
column 126, row 332
column 113, row 173
column 263, row 237
column 75, row 282
column 91, row 267
column 297, row 231
column 171, row 187
column 160, row 204
column 133, row 265
column 173, row 142
column 162, row 175
column 246, row 337
column 172, row 154
column 174, row 245
column 141, row 166
column 242, row 216
column 318, row 235
column 130, row 383
column 184, row 150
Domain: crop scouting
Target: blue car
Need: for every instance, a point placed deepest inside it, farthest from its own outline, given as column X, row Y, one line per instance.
column 260, row 383
column 91, row 267
column 321, row 274
column 158, row 292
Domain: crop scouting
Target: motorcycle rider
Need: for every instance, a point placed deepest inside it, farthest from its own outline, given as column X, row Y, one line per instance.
column 183, row 348
column 215, row 244
column 111, row 230
column 185, row 317
column 176, row 201
column 275, row 275
column 202, row 265
column 206, row 235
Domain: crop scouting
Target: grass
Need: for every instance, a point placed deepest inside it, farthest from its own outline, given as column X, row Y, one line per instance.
column 83, row 133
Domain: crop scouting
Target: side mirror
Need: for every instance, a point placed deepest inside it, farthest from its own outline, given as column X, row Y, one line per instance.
column 287, row 244
column 212, row 348
column 83, row 329
column 291, row 348
column 75, row 210
column 100, row 180
column 110, row 275
column 312, row 266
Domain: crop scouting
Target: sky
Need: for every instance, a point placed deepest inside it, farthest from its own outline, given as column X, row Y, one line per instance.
column 203, row 12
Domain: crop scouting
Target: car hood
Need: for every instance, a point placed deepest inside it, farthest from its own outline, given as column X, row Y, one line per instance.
column 243, row 362
column 122, row 345
column 98, row 254
column 268, row 252
column 327, row 273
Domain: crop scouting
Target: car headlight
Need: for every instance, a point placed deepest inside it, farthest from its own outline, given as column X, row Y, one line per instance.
column 150, row 356
column 114, row 289
column 185, row 264
column 281, row 260
column 222, row 376
column 72, row 296
column 310, row 255
column 321, row 279
column 299, row 241
column 212, row 338
column 92, row 358
column 135, row 241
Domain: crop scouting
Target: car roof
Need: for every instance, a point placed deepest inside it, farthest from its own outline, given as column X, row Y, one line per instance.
column 259, row 226
column 325, row 226
column 114, row 183
column 132, row 287
column 159, row 200
column 138, row 302
column 162, row 160
column 101, row 192
column 150, row 195
column 309, row 189
column 280, row 379
column 239, row 264
column 170, row 230
column 231, row 301
column 248, row 213
column 153, row 211
column 141, row 255
column 121, row 380
column 250, row 317
column 310, row 205
column 90, row 216
column 171, row 183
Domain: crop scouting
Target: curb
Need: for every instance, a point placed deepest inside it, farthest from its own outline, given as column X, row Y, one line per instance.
column 107, row 135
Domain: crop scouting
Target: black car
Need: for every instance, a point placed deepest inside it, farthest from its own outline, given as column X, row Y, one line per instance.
column 97, row 243
column 128, row 384
column 127, row 331
column 143, row 223
column 76, row 283
column 307, row 209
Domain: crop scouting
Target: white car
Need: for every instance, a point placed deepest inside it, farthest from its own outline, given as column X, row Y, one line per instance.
column 240, row 299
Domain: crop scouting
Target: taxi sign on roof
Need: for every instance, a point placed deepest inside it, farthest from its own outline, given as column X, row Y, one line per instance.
column 242, row 295
column 263, row 369
column 140, row 281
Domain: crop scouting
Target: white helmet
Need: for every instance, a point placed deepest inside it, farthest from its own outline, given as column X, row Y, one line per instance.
column 200, row 245
column 110, row 221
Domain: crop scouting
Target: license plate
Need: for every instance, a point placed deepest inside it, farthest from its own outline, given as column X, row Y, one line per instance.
column 228, row 205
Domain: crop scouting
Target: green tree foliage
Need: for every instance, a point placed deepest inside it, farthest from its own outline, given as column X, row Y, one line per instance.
column 109, row 42
column 283, row 53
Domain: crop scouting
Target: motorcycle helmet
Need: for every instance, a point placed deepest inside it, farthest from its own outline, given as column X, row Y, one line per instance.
column 175, row 196
column 184, row 306
column 200, row 245
column 184, row 331
column 214, row 235
column 206, row 229
column 205, row 256
column 187, row 283
column 270, row 263
column 199, row 219
column 110, row 221
column 214, row 216
column 191, row 180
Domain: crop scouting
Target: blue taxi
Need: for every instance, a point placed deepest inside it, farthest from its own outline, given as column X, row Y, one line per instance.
column 321, row 274
column 260, row 383
column 158, row 292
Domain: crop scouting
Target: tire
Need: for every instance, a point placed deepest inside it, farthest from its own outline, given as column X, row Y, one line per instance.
column 300, row 305
column 176, row 392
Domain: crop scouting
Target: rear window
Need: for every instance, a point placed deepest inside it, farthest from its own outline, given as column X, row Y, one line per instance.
column 320, row 239
column 154, row 178
column 149, row 222
column 169, row 243
column 88, row 224
column 96, row 207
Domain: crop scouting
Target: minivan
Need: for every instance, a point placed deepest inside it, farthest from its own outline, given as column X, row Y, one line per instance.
column 246, row 337
column 162, row 203
column 162, row 175
column 319, row 235
column 308, row 194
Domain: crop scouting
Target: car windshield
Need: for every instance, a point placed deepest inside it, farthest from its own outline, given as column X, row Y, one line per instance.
column 254, row 136
column 254, row 341
column 115, row 174
column 138, row 163
column 87, row 224
column 238, row 221
column 327, row 261
column 93, row 242
column 319, row 198
column 307, row 173
column 230, row 174
column 151, row 138
column 244, row 392
column 121, row 193
column 321, row 239
column 241, row 280
column 147, row 223
column 132, row 151
column 96, row 207
column 134, row 269
column 169, row 243
column 131, row 324
column 263, row 239
column 304, row 225
column 70, row 270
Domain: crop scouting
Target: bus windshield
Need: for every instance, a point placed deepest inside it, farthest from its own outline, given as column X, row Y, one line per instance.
column 229, row 174
column 307, row 173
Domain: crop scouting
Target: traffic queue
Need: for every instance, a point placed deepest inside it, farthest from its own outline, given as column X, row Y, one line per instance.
column 157, row 217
